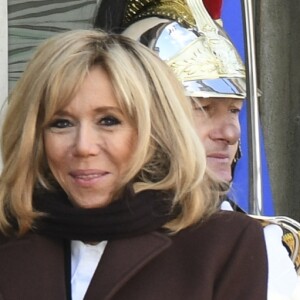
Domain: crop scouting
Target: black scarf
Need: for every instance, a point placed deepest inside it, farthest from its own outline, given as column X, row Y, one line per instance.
column 131, row 215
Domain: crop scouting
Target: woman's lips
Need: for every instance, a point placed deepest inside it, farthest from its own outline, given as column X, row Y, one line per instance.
column 88, row 178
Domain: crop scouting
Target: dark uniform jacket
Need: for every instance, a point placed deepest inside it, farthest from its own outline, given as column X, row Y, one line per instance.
column 223, row 258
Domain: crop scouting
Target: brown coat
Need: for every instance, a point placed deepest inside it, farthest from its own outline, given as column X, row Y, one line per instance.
column 222, row 259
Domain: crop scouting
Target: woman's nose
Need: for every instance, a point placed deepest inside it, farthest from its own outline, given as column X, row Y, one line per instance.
column 86, row 143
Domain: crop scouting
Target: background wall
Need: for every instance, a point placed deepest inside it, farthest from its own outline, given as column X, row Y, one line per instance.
column 278, row 52
column 3, row 59
column 30, row 22
column 3, row 50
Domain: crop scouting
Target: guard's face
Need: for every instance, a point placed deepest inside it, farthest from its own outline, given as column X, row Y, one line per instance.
column 89, row 143
column 217, row 124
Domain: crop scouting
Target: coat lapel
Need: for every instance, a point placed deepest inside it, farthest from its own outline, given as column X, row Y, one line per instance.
column 121, row 260
column 34, row 268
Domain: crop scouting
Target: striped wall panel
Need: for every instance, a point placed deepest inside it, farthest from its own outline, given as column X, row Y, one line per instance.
column 30, row 22
column 3, row 52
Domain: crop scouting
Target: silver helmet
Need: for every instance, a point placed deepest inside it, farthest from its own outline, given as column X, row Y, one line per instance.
column 195, row 46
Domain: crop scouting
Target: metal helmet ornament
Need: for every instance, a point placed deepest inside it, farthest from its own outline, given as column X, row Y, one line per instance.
column 194, row 45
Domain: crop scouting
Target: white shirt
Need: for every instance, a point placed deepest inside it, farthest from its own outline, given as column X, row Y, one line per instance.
column 84, row 261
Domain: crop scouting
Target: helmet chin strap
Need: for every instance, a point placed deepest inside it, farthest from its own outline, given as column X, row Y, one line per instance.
column 237, row 156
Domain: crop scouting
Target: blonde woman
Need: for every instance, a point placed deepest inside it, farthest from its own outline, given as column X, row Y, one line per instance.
column 104, row 193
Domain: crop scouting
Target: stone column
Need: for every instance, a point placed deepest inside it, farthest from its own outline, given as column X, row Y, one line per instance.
column 278, row 53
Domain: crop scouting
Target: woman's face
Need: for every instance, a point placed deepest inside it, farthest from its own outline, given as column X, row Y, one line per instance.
column 218, row 127
column 90, row 142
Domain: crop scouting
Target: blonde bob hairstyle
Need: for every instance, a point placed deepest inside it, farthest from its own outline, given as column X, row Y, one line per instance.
column 168, row 156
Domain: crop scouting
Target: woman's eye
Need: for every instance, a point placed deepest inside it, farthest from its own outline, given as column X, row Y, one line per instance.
column 60, row 123
column 109, row 121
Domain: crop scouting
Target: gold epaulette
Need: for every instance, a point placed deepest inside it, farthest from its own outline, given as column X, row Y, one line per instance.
column 291, row 235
